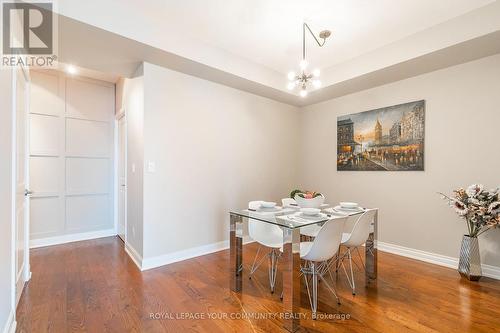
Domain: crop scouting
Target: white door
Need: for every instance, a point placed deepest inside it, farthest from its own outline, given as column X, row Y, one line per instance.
column 71, row 158
column 122, row 177
column 21, row 182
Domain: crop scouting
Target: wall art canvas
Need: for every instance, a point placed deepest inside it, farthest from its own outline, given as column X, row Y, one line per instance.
column 386, row 139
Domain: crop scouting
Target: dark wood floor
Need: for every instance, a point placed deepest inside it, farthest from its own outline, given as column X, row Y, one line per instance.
column 93, row 286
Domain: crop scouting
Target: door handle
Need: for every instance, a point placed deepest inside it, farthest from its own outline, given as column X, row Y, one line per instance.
column 27, row 192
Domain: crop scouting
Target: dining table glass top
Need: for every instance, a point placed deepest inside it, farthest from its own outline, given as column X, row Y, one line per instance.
column 291, row 217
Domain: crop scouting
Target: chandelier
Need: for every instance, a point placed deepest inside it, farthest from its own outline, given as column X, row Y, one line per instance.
column 304, row 79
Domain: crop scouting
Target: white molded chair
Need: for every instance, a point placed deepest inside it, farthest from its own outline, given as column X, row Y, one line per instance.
column 354, row 239
column 318, row 255
column 310, row 230
column 289, row 202
column 269, row 235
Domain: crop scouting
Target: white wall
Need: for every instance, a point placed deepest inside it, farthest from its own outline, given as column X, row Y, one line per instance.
column 130, row 99
column 213, row 148
column 6, row 285
column 461, row 147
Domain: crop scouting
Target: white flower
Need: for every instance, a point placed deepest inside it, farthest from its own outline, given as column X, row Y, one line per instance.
column 474, row 190
column 474, row 201
column 494, row 206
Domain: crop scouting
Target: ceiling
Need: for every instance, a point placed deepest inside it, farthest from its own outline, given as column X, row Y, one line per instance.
column 269, row 32
column 259, row 41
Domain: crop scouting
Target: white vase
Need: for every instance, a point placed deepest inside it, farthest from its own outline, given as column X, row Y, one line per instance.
column 310, row 203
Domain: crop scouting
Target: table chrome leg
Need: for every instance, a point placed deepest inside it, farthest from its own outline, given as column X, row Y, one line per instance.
column 236, row 252
column 291, row 279
column 371, row 253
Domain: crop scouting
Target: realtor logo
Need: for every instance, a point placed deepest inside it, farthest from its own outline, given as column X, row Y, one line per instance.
column 28, row 34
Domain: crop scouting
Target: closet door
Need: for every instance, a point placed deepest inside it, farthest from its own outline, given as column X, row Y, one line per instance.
column 71, row 156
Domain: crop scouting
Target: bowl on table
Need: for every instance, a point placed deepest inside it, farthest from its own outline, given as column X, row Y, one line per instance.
column 268, row 204
column 349, row 205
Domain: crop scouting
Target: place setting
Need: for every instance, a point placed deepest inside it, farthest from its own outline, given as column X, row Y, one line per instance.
column 266, row 207
column 307, row 215
column 346, row 208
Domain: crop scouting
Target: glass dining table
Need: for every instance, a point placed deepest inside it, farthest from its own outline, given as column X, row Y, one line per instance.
column 287, row 219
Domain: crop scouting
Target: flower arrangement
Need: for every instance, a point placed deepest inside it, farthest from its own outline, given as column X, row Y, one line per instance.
column 479, row 208
column 304, row 194
column 307, row 199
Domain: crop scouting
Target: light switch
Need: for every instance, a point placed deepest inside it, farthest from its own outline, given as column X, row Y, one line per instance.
column 151, row 167
column 133, row 167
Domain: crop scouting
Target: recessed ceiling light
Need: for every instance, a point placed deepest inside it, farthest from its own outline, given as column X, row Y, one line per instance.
column 71, row 69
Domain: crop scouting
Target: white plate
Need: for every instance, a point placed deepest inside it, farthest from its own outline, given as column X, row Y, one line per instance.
column 349, row 205
column 268, row 211
column 272, row 209
column 357, row 209
column 267, row 204
column 335, row 213
column 312, row 217
column 310, row 211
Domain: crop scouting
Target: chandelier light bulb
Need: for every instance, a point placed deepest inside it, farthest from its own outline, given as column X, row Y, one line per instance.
column 303, row 93
column 316, row 72
column 291, row 76
column 316, row 83
column 303, row 64
column 291, row 85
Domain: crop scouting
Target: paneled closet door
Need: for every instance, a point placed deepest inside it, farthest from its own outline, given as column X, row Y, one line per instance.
column 71, row 155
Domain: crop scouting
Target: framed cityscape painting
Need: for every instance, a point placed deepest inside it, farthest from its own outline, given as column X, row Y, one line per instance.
column 386, row 139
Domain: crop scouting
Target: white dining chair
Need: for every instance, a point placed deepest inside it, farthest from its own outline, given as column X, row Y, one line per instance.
column 310, row 231
column 268, row 235
column 289, row 202
column 353, row 240
column 318, row 255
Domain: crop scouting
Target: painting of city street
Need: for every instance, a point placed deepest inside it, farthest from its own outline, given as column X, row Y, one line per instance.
column 386, row 139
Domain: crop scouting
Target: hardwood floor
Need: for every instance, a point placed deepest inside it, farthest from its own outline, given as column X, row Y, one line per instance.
column 93, row 286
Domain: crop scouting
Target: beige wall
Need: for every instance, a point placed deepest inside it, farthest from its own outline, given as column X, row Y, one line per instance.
column 214, row 148
column 461, row 147
column 130, row 99
column 5, row 197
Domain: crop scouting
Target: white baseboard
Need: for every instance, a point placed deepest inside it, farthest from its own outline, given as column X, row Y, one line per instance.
column 134, row 255
column 434, row 258
column 10, row 325
column 491, row 271
column 41, row 242
column 153, row 262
